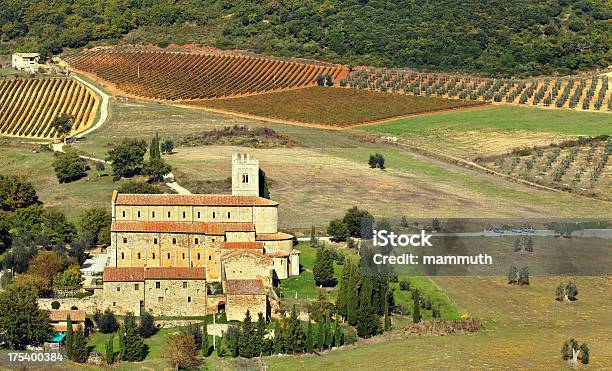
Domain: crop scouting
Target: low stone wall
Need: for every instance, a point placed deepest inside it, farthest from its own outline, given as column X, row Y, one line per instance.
column 89, row 304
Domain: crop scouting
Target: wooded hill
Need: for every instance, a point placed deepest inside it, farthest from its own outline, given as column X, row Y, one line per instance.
column 493, row 37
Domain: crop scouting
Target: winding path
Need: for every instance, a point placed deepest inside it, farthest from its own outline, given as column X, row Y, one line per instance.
column 103, row 108
column 59, row 147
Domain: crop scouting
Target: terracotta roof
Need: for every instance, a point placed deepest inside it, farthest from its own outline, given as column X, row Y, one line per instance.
column 243, row 245
column 123, row 274
column 278, row 254
column 62, row 315
column 175, row 273
column 245, row 252
column 244, row 287
column 180, row 227
column 133, row 274
column 192, row 200
column 278, row 236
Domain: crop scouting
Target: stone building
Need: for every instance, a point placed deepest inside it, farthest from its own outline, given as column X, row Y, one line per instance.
column 196, row 239
column 25, row 61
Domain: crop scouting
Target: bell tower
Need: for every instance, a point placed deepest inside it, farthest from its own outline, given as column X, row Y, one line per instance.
column 245, row 175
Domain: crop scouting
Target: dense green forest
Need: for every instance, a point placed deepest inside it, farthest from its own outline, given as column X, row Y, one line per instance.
column 495, row 37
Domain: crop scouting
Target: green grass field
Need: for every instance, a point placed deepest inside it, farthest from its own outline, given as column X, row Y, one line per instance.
column 493, row 130
column 524, row 328
column 503, row 118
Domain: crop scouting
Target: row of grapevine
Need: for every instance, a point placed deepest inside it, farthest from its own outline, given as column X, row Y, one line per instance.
column 185, row 76
column 28, row 106
column 582, row 168
column 580, row 93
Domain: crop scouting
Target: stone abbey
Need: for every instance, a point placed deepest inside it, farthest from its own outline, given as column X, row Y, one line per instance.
column 193, row 255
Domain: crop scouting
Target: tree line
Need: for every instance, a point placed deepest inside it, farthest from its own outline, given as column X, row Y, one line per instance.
column 494, row 37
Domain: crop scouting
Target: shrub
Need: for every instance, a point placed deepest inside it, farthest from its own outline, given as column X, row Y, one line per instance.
column 69, row 167
column 106, row 322
column 404, row 285
column 55, row 305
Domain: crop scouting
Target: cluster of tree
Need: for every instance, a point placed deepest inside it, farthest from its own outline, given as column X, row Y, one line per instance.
column 75, row 343
column 518, row 276
column 523, row 244
column 377, row 161
column 566, row 292
column 41, row 243
column 363, row 299
column 138, row 187
column 49, row 270
column 69, row 166
column 290, row 337
column 131, row 344
column 355, row 223
column 571, row 351
column 493, row 37
column 127, row 159
column 27, row 326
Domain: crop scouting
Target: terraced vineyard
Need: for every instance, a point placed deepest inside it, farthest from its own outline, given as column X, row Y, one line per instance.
column 582, row 166
column 184, row 76
column 27, row 106
column 590, row 94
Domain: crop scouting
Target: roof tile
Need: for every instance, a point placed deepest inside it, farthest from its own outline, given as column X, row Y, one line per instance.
column 191, row 200
column 180, row 227
column 133, row 274
column 61, row 315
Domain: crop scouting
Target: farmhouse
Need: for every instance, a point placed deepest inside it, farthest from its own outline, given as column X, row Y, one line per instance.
column 25, row 61
column 59, row 319
column 169, row 253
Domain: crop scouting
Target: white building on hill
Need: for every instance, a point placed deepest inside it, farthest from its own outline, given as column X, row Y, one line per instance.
column 26, row 61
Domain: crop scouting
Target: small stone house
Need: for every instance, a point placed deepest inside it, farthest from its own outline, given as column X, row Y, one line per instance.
column 243, row 295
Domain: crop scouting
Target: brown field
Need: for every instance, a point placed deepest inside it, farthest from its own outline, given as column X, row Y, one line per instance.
column 332, row 107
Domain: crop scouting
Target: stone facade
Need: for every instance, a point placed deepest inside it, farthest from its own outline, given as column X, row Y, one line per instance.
column 221, row 237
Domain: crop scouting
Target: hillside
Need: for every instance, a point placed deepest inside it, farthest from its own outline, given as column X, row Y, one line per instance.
column 492, row 37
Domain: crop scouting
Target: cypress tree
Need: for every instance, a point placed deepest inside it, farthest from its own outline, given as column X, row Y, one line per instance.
column 154, row 152
column 294, row 338
column 205, row 344
column 320, row 334
column 79, row 351
column 368, row 323
column 247, row 346
column 329, row 333
column 121, row 343
column 313, row 238
column 353, row 297
column 337, row 332
column 341, row 299
column 110, row 351
column 309, row 338
column 323, row 269
column 260, row 334
column 134, row 346
column 68, row 339
column 278, row 341
column 416, row 310
column 387, row 316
